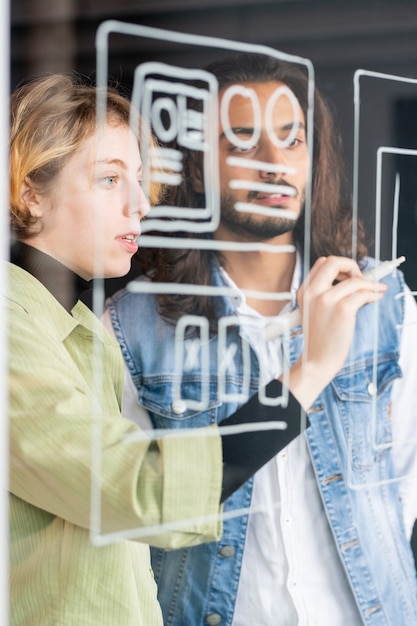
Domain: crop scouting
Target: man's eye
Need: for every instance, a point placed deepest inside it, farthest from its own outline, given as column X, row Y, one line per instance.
column 242, row 149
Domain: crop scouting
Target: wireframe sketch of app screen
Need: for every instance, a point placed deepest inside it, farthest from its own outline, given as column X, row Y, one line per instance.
column 180, row 106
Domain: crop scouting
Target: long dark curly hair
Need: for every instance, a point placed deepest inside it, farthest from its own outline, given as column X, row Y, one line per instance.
column 331, row 212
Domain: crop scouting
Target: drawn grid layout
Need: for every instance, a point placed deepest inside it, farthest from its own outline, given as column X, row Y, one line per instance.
column 162, row 90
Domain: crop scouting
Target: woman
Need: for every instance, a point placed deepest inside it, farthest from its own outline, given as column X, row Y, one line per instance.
column 75, row 203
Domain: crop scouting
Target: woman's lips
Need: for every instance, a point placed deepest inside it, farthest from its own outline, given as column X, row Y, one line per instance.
column 129, row 242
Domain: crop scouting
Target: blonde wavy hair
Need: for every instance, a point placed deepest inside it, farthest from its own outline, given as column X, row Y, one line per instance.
column 51, row 117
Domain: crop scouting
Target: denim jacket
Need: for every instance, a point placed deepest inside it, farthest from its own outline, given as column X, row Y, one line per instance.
column 349, row 439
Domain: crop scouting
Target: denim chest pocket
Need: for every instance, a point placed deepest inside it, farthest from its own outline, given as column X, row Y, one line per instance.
column 363, row 396
column 365, row 380
column 191, row 404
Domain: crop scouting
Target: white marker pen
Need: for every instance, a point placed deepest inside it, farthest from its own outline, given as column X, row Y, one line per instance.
column 284, row 323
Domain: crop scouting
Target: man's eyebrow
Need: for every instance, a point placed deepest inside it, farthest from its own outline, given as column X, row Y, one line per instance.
column 243, row 130
column 239, row 130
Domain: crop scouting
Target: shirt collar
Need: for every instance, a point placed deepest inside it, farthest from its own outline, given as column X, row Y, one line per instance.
column 66, row 286
column 239, row 299
column 296, row 279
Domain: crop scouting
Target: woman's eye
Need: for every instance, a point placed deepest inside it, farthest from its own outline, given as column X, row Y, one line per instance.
column 108, row 181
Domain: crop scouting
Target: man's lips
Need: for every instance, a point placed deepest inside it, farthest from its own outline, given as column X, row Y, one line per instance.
column 275, row 202
column 272, row 199
column 278, row 194
column 277, row 198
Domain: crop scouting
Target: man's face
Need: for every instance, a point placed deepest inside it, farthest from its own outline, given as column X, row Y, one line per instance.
column 263, row 160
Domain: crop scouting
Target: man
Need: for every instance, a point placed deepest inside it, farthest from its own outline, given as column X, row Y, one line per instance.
column 327, row 538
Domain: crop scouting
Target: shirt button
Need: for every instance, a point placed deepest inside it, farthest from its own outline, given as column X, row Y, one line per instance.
column 372, row 389
column 227, row 552
column 213, row 619
column 178, row 407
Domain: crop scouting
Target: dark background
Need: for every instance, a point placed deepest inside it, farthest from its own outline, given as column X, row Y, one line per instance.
column 338, row 36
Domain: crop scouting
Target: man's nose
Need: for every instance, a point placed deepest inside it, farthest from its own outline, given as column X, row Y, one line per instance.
column 273, row 161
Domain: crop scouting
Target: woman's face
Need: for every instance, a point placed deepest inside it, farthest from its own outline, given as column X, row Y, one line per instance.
column 91, row 217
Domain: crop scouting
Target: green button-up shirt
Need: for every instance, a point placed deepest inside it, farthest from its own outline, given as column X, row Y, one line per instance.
column 64, row 369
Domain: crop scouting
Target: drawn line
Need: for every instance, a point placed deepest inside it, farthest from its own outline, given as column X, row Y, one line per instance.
column 268, row 187
column 260, row 165
column 250, row 207
column 138, row 286
column 204, row 244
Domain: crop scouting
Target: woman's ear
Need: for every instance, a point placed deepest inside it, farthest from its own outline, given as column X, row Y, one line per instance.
column 30, row 198
column 196, row 173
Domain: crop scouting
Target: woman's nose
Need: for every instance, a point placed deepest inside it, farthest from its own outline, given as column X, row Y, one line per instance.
column 138, row 203
column 143, row 203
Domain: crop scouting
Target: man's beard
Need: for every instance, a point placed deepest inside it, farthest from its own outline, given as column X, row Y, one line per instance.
column 252, row 226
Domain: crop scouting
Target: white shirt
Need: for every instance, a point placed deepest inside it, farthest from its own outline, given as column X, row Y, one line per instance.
column 291, row 572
